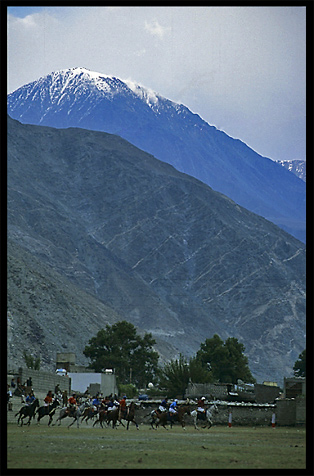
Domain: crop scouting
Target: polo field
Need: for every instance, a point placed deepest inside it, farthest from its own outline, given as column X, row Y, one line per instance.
column 220, row 447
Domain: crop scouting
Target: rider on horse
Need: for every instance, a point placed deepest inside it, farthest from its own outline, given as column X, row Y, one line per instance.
column 72, row 405
column 112, row 405
column 30, row 398
column 48, row 399
column 163, row 407
column 173, row 408
column 123, row 408
column 201, row 413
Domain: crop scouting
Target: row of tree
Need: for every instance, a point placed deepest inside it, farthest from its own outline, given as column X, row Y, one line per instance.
column 135, row 361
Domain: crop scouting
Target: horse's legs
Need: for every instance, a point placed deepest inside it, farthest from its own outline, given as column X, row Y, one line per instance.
column 72, row 422
column 195, row 423
column 137, row 427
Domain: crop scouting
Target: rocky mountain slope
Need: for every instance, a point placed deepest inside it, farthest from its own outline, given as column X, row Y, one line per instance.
column 46, row 312
column 78, row 97
column 155, row 246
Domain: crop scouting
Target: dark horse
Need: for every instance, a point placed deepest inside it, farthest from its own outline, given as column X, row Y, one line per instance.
column 162, row 418
column 129, row 416
column 108, row 416
column 27, row 411
column 49, row 410
column 89, row 413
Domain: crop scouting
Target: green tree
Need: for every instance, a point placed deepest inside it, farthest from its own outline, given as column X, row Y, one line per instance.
column 198, row 372
column 226, row 361
column 175, row 377
column 299, row 367
column 121, row 348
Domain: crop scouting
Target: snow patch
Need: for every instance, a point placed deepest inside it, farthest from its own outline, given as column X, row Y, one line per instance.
column 148, row 95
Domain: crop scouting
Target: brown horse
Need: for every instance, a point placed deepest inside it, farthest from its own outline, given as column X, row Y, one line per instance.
column 129, row 416
column 89, row 413
column 165, row 417
column 108, row 416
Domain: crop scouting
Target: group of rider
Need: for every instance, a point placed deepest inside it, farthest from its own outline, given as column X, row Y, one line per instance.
column 97, row 403
column 173, row 407
column 110, row 403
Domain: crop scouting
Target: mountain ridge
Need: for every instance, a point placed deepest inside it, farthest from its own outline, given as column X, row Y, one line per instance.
column 171, row 132
column 158, row 247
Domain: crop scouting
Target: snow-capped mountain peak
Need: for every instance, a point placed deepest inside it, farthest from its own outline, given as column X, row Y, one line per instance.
column 80, row 81
column 78, row 97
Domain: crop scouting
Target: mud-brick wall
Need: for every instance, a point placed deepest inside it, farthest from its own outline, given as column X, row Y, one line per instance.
column 245, row 414
column 300, row 410
column 242, row 414
column 42, row 381
column 286, row 412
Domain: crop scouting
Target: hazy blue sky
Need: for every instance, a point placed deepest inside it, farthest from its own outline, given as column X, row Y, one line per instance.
column 241, row 69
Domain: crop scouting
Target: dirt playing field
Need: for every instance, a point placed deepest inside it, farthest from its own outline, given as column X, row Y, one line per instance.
column 101, row 448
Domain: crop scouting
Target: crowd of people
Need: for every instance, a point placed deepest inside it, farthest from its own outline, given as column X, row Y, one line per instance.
column 19, row 389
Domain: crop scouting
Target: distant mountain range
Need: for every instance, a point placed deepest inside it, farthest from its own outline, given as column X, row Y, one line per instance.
column 100, row 230
column 78, row 97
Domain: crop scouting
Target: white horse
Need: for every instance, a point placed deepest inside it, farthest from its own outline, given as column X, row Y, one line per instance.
column 208, row 415
column 76, row 415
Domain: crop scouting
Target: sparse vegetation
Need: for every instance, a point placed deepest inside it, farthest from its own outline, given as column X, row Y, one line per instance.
column 30, row 362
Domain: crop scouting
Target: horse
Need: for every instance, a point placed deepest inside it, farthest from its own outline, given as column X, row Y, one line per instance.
column 27, row 411
column 208, row 416
column 76, row 415
column 129, row 416
column 47, row 410
column 108, row 416
column 102, row 415
column 89, row 413
column 161, row 418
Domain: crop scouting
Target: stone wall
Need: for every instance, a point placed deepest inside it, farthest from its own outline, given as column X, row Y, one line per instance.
column 242, row 414
column 292, row 411
column 300, row 411
column 288, row 412
column 216, row 391
column 41, row 381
